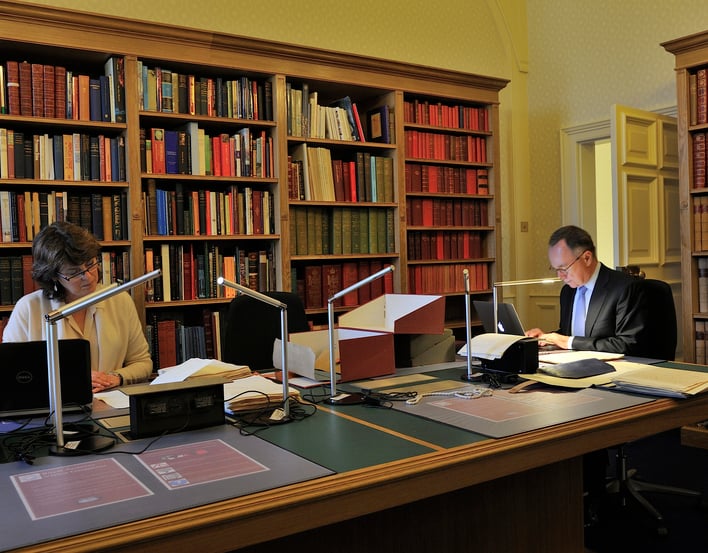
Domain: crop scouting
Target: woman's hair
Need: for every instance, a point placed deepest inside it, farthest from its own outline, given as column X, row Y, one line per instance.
column 56, row 245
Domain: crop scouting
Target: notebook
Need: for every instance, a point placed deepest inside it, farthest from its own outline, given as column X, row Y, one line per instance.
column 24, row 382
column 508, row 321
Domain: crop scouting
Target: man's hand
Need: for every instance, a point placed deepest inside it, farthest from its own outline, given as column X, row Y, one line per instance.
column 554, row 338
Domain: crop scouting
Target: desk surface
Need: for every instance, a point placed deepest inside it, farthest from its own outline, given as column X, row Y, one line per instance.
column 383, row 459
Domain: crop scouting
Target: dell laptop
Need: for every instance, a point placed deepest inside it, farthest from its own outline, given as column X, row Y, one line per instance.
column 24, row 379
column 508, row 321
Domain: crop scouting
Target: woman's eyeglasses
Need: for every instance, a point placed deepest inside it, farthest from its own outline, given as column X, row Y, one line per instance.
column 79, row 274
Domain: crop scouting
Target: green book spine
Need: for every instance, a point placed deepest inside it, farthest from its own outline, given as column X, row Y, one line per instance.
column 336, row 231
column 347, row 230
column 373, row 231
column 356, row 230
column 364, row 231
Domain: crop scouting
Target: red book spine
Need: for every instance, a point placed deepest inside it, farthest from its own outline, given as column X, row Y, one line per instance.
column 49, row 91
column 60, row 92
column 37, row 70
column 702, row 96
column 699, row 160
column 25, row 89
column 13, row 87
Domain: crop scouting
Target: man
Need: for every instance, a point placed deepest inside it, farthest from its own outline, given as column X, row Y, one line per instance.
column 600, row 307
column 601, row 310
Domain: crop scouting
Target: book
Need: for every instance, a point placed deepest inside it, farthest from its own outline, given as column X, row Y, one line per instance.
column 379, row 130
column 114, row 68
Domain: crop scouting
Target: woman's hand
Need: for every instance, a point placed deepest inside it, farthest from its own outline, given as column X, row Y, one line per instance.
column 104, row 381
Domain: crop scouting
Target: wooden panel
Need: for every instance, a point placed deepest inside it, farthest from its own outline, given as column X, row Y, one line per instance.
column 638, row 147
column 668, row 155
column 671, row 249
column 641, row 215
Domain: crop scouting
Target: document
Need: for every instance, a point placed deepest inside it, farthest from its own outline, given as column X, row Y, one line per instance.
column 661, row 381
column 568, row 356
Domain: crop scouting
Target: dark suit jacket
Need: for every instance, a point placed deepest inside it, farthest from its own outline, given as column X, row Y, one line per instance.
column 616, row 317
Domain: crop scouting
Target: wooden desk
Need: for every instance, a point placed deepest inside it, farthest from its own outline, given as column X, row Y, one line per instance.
column 521, row 493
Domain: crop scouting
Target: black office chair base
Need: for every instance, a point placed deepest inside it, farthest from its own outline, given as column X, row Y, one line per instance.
column 627, row 486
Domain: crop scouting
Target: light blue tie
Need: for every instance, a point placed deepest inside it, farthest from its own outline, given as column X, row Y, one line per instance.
column 579, row 312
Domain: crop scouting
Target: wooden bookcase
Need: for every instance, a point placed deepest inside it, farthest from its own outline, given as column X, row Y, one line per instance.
column 293, row 245
column 691, row 56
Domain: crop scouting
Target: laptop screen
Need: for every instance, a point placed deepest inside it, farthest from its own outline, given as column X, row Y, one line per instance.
column 508, row 321
column 24, row 379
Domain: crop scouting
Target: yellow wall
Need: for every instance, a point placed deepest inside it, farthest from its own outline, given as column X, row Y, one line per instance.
column 578, row 59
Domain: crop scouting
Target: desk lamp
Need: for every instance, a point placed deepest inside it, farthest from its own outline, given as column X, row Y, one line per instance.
column 92, row 443
column 514, row 283
column 349, row 398
column 283, row 334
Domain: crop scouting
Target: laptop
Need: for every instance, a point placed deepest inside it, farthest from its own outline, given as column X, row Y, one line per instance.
column 24, row 379
column 508, row 321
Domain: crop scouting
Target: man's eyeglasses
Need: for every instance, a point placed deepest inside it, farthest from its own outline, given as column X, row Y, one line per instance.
column 564, row 270
column 79, row 274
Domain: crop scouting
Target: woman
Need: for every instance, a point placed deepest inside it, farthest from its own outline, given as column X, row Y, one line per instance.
column 66, row 266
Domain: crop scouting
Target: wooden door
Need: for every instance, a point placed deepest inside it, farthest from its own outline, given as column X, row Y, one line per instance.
column 646, row 191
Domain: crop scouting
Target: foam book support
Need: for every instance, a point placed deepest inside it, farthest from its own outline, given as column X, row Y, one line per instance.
column 364, row 340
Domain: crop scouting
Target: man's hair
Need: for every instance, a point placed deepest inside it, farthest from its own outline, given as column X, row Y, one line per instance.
column 575, row 237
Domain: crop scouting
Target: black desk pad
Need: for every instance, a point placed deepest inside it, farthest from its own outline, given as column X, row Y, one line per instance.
column 148, row 489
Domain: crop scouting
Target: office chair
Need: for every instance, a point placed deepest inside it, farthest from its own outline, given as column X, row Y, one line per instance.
column 658, row 343
column 252, row 327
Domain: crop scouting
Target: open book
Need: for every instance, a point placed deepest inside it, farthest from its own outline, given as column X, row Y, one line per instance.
column 254, row 392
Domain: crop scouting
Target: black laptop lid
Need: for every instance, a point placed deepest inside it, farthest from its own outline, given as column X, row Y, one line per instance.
column 24, row 384
column 508, row 321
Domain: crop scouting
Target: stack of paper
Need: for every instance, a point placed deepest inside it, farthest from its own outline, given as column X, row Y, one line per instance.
column 660, row 381
column 196, row 367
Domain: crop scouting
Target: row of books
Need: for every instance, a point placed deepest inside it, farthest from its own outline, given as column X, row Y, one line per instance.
column 702, row 284
column 316, row 283
column 443, row 212
column 164, row 90
column 16, row 273
column 314, row 175
column 449, row 180
column 701, row 342
column 699, row 159
column 173, row 341
column 190, row 151
column 69, row 157
column 115, row 266
column 190, row 271
column 322, row 231
column 199, row 212
column 424, row 112
column 339, row 120
column 446, row 279
column 700, row 223
column 24, row 214
column 441, row 245
column 698, row 97
column 44, row 90
column 15, row 278
column 445, row 147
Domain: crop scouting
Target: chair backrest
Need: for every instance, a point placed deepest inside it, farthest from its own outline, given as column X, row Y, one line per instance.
column 659, row 340
column 252, row 327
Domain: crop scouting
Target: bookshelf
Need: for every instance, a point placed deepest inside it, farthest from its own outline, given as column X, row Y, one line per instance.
column 451, row 212
column 342, row 193
column 295, row 233
column 691, row 66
